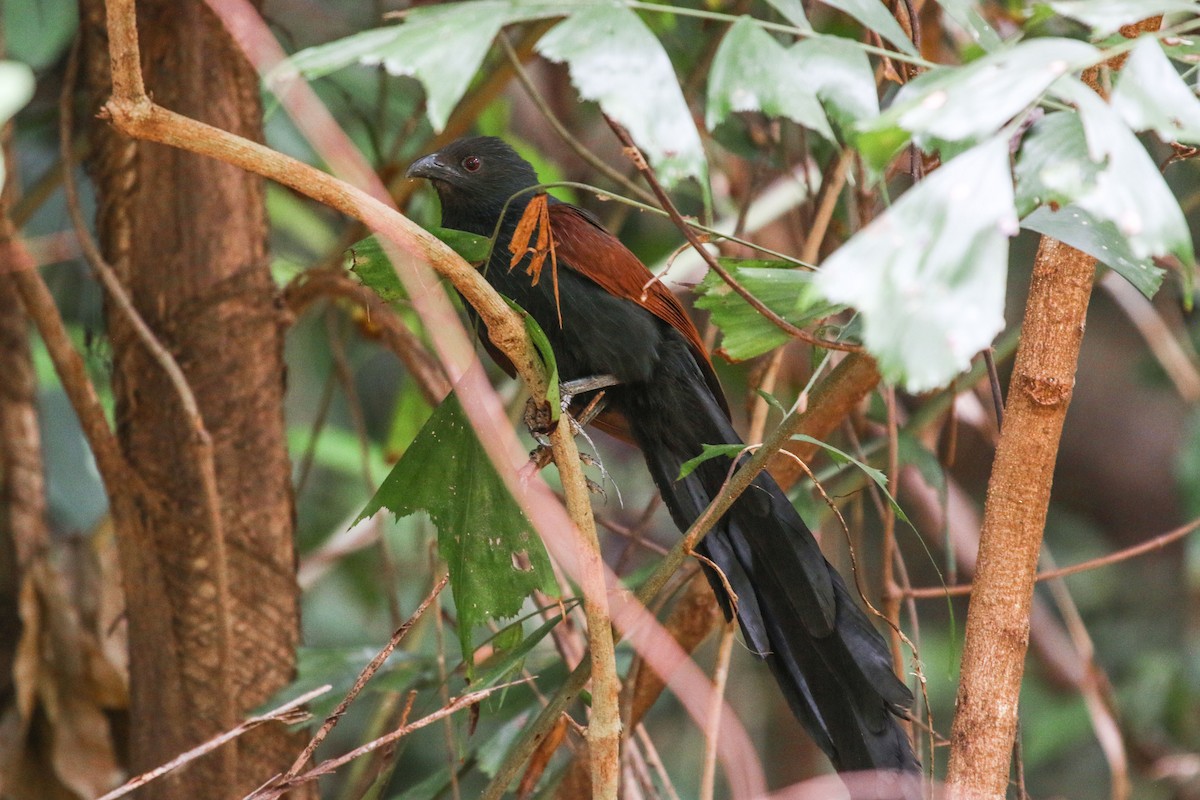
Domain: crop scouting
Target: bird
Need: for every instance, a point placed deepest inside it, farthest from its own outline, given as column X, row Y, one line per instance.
column 605, row 316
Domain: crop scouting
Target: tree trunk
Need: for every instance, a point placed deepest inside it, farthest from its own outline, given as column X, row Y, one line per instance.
column 212, row 598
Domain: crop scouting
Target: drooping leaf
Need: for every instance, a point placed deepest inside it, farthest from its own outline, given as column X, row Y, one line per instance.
column 792, row 11
column 370, row 263
column 745, row 332
column 709, row 452
column 1100, row 239
column 967, row 14
column 1107, row 16
column 751, row 71
column 16, row 89
column 495, row 559
column 875, row 15
column 928, row 275
column 965, row 104
column 875, row 475
column 841, row 75
column 1053, row 165
column 616, row 61
column 441, row 46
column 1129, row 191
column 1150, row 95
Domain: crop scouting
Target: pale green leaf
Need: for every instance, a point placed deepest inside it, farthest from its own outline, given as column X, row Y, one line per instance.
column 1099, row 239
column 745, row 333
column 1053, row 165
column 1150, row 95
column 16, row 89
column 1129, row 191
column 928, row 275
column 1107, row 16
column 441, row 46
column 616, row 61
column 968, row 103
column 841, row 75
column 967, row 14
column 875, row 15
column 792, row 11
column 495, row 559
column 751, row 71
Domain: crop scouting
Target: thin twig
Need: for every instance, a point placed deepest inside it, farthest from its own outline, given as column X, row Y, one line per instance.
column 1157, row 543
column 665, row 200
column 708, row 772
column 288, row 713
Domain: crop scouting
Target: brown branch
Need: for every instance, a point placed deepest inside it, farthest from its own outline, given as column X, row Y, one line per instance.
column 997, row 626
column 1148, row 546
column 664, row 200
column 288, row 713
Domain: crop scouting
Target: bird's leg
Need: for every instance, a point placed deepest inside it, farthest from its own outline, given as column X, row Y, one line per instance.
column 539, row 423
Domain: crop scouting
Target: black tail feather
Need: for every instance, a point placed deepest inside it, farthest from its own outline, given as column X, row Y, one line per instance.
column 793, row 607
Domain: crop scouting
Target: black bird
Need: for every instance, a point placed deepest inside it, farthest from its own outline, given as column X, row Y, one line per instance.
column 794, row 609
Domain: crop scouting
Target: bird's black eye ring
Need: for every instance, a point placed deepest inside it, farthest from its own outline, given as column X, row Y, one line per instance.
column 472, row 163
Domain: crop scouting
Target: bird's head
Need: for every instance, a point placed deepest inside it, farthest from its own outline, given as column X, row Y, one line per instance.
column 474, row 178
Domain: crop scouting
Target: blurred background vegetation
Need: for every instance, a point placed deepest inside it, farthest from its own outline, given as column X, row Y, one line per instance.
column 1129, row 467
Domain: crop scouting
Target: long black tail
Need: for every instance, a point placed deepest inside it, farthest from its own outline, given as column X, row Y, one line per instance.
column 793, row 607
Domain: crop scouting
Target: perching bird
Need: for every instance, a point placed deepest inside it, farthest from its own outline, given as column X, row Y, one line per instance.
column 603, row 319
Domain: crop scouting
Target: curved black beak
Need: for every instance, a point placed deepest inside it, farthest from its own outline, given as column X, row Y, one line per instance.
column 431, row 166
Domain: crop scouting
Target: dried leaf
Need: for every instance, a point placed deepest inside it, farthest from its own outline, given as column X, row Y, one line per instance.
column 536, row 218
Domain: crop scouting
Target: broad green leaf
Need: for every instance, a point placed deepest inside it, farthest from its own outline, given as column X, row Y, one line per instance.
column 616, row 61
column 753, row 72
column 441, row 46
column 874, row 474
column 1107, row 16
column 1150, row 95
column 495, row 559
column 875, row 15
column 709, row 452
column 968, row 103
column 842, row 77
column 1099, row 239
column 370, row 263
column 928, row 275
column 966, row 13
column 792, row 11
column 1053, row 165
column 745, row 332
column 1130, row 191
column 16, row 89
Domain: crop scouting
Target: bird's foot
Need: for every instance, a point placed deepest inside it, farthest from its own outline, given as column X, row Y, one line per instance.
column 540, row 423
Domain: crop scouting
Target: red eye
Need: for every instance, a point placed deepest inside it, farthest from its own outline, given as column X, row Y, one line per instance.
column 472, row 163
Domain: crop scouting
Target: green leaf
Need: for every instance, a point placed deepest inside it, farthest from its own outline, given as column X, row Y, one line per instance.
column 792, row 11
column 510, row 658
column 710, row 452
column 928, row 275
column 37, row 32
column 876, row 16
column 441, row 46
column 1107, row 16
column 1129, row 191
column 1100, row 239
column 542, row 343
column 965, row 104
column 616, row 61
column 841, row 75
column 16, row 89
column 967, row 14
column 745, row 332
column 1053, row 166
column 1150, row 95
column 845, row 458
column 751, row 71
column 370, row 263
column 495, row 559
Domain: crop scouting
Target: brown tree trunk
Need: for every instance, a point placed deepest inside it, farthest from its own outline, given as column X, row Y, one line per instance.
column 187, row 237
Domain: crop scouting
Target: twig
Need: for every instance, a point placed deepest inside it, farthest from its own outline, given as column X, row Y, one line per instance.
column 288, row 713
column 331, row 765
column 708, row 772
column 665, row 200
column 367, row 673
column 1157, row 543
